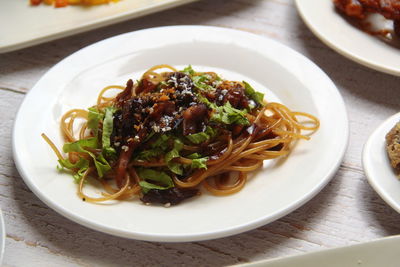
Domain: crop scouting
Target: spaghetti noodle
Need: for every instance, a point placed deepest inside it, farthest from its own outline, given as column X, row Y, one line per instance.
column 165, row 136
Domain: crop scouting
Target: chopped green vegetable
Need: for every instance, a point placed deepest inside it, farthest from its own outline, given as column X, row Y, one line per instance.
column 201, row 137
column 78, row 176
column 79, row 146
column 148, row 154
column 229, row 115
column 161, row 142
column 188, row 70
column 94, row 117
column 253, row 94
column 199, row 163
column 146, row 186
column 198, row 138
column 82, row 165
column 102, row 166
column 163, row 180
column 194, row 156
column 107, row 131
column 174, row 153
column 200, row 82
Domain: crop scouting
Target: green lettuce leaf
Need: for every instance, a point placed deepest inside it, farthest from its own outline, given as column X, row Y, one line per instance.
column 79, row 146
column 146, row 187
column 188, row 70
column 161, row 142
column 194, row 156
column 229, row 115
column 198, row 138
column 82, row 165
column 253, row 94
column 174, row 153
column 101, row 164
column 107, row 131
column 201, row 137
column 94, row 118
column 201, row 82
column 148, row 154
column 199, row 163
column 163, row 181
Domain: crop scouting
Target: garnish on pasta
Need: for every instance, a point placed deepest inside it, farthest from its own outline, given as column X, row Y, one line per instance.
column 168, row 135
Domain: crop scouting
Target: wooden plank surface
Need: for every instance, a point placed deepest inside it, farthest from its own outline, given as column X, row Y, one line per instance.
column 347, row 211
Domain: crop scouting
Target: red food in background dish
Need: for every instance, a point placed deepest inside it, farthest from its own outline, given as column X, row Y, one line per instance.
column 359, row 9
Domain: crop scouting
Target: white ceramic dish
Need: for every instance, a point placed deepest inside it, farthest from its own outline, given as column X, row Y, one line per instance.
column 25, row 25
column 283, row 74
column 2, row 237
column 377, row 167
column 329, row 26
column 381, row 252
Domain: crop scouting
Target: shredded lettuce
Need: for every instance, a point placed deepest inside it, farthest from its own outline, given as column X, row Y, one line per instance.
column 198, row 138
column 200, row 82
column 102, row 166
column 79, row 146
column 194, row 156
column 161, row 142
column 199, row 163
column 107, row 131
column 148, row 154
column 82, row 165
column 253, row 94
column 201, row 137
column 157, row 148
column 229, row 115
column 94, row 117
column 163, row 181
column 188, row 70
column 174, row 153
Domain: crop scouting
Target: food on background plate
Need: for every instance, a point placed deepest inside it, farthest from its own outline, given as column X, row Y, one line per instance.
column 393, row 147
column 167, row 135
column 64, row 3
column 373, row 16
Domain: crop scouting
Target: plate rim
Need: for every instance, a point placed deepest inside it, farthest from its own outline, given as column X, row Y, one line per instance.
column 330, row 172
column 368, row 169
column 343, row 51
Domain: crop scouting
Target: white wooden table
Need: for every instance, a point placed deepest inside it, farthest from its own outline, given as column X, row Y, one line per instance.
column 347, row 211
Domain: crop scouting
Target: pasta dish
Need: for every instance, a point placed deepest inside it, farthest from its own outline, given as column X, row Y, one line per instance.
column 171, row 134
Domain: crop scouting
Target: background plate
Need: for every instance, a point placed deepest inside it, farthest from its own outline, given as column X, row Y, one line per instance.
column 377, row 165
column 24, row 25
column 283, row 74
column 336, row 32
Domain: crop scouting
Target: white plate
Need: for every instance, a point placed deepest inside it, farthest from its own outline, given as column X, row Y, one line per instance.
column 336, row 32
column 377, row 166
column 380, row 252
column 2, row 237
column 282, row 73
column 24, row 25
